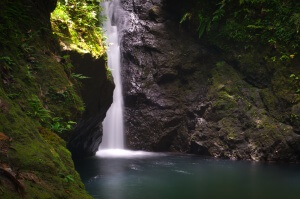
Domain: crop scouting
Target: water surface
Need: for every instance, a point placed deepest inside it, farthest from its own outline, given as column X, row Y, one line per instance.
column 169, row 176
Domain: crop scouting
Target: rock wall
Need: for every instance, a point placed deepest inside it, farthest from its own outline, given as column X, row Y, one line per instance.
column 38, row 95
column 97, row 92
column 181, row 95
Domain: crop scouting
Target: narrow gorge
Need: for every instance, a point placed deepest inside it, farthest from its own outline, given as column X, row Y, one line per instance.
column 130, row 99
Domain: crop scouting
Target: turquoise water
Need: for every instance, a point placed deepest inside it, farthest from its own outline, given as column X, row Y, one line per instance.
column 169, row 176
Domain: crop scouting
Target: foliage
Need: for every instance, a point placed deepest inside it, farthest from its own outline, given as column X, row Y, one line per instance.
column 273, row 22
column 296, row 82
column 7, row 60
column 29, row 66
column 67, row 178
column 59, row 126
column 77, row 25
column 37, row 110
column 6, row 64
column 238, row 28
column 79, row 76
column 294, row 118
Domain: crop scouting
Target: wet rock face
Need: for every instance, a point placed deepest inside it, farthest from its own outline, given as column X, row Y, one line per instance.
column 180, row 96
column 159, row 63
column 97, row 92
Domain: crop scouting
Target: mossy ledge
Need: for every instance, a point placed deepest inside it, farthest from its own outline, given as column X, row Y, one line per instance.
column 40, row 102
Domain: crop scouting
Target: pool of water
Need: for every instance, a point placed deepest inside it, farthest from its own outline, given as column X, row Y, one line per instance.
column 169, row 176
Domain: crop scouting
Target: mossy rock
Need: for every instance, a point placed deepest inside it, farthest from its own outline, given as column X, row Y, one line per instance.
column 30, row 66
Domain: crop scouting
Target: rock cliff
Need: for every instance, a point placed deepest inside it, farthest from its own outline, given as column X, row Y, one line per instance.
column 186, row 96
column 97, row 92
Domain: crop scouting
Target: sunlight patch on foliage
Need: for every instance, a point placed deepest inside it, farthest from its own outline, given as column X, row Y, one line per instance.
column 78, row 26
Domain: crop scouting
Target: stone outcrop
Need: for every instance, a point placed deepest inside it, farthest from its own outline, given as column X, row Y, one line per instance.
column 186, row 97
column 97, row 91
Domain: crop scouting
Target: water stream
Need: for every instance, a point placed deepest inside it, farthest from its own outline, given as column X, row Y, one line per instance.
column 113, row 127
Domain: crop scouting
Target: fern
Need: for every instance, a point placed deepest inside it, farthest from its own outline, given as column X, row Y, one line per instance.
column 79, row 76
column 186, row 16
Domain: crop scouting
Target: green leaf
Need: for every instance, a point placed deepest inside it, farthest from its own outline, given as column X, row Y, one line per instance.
column 186, row 16
column 79, row 76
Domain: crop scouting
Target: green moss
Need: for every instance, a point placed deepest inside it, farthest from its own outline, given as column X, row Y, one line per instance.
column 31, row 69
column 268, row 131
column 269, row 99
column 224, row 103
column 231, row 136
column 77, row 25
column 224, row 89
column 243, row 111
column 283, row 86
column 229, row 128
column 38, row 151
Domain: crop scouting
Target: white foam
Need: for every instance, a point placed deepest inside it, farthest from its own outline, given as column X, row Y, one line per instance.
column 121, row 153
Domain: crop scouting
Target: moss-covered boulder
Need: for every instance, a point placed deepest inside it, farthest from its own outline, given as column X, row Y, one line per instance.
column 246, row 129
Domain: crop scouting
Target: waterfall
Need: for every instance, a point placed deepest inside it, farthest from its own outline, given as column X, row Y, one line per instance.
column 112, row 145
column 113, row 126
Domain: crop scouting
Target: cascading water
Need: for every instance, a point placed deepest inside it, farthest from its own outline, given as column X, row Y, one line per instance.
column 113, row 126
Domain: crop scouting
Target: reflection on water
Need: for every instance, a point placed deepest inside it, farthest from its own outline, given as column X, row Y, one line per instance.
column 187, row 177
